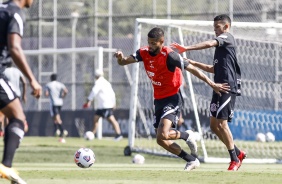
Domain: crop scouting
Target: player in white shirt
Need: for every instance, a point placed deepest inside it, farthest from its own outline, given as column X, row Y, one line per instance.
column 56, row 91
column 105, row 101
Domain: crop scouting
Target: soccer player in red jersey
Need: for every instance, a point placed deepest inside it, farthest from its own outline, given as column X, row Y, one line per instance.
column 164, row 68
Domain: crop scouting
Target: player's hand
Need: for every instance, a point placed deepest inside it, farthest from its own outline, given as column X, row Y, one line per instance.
column 86, row 105
column 178, row 47
column 221, row 88
column 36, row 89
column 118, row 55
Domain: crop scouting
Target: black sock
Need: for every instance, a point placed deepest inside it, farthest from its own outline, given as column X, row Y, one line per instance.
column 233, row 155
column 55, row 127
column 61, row 129
column 185, row 156
column 14, row 132
column 184, row 135
column 236, row 150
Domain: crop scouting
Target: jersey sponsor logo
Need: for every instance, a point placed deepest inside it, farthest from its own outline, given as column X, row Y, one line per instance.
column 156, row 83
column 213, row 107
column 150, row 74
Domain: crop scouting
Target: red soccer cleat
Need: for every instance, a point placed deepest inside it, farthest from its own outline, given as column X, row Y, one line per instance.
column 241, row 157
column 234, row 166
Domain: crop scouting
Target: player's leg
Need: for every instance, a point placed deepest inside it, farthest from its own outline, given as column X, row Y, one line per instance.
column 95, row 123
column 2, row 126
column 165, row 135
column 116, row 127
column 214, row 127
column 14, row 132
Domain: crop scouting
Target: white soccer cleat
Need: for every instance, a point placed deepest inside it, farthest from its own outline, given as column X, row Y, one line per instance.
column 10, row 174
column 191, row 142
column 192, row 165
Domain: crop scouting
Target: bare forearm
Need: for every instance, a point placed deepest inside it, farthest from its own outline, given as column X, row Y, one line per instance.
column 200, row 75
column 202, row 66
column 20, row 60
column 202, row 45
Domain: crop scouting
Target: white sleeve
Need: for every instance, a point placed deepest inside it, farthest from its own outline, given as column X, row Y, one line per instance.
column 93, row 92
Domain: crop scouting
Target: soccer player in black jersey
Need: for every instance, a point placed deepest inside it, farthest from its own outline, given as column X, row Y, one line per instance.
column 11, row 32
column 226, row 70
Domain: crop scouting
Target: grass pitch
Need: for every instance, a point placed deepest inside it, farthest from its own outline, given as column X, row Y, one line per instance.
column 43, row 160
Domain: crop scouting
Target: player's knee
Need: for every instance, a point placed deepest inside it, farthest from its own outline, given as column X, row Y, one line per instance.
column 15, row 126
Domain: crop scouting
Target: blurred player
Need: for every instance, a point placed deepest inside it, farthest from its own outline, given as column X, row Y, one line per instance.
column 225, row 69
column 11, row 32
column 16, row 80
column 164, row 68
column 105, row 102
column 56, row 91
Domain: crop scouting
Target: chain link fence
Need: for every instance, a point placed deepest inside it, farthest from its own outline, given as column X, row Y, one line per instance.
column 60, row 24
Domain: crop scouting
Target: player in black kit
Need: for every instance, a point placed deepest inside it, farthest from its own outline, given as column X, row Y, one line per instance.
column 226, row 70
column 11, row 32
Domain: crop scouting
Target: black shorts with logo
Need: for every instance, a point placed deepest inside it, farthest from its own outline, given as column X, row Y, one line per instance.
column 222, row 107
column 7, row 94
column 104, row 113
column 168, row 108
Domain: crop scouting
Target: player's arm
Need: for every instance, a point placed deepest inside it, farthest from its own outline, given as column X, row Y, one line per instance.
column 15, row 49
column 122, row 60
column 175, row 60
column 64, row 91
column 23, row 81
column 198, row 46
column 202, row 66
column 46, row 92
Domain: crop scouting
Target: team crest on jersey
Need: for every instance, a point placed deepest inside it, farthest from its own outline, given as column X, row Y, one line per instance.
column 213, row 107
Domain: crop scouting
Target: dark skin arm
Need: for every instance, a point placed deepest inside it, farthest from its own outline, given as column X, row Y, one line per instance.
column 15, row 49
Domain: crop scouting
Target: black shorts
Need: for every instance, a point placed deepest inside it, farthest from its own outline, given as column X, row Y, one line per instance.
column 168, row 108
column 7, row 94
column 55, row 110
column 222, row 107
column 104, row 113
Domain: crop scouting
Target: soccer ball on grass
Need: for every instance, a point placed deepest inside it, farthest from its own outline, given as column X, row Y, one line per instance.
column 89, row 136
column 84, row 157
column 138, row 159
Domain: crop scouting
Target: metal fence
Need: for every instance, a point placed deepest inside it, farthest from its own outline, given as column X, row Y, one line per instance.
column 57, row 24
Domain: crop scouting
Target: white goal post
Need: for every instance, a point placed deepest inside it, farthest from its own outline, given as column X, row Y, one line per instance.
column 259, row 110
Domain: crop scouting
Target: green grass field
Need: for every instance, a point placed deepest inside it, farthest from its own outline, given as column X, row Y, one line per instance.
column 43, row 160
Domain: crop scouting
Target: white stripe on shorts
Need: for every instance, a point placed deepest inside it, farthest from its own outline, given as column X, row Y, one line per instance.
column 223, row 105
column 7, row 89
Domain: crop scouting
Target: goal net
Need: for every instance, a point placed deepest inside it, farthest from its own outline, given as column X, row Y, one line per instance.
column 257, row 122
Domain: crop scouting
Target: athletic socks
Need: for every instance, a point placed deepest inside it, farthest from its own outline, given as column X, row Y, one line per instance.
column 185, row 156
column 184, row 135
column 61, row 129
column 236, row 150
column 14, row 132
column 233, row 155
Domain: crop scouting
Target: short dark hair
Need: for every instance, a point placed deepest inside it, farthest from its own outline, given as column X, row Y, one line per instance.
column 156, row 32
column 223, row 17
column 53, row 77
